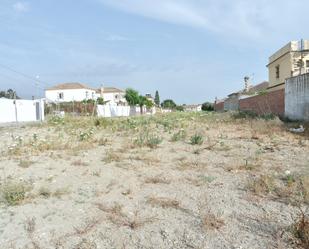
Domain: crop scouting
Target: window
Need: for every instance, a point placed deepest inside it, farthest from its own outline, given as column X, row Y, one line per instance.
column 92, row 95
column 87, row 95
column 60, row 95
column 277, row 72
column 307, row 63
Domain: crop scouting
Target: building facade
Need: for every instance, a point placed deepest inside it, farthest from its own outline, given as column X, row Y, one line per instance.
column 291, row 60
column 68, row 92
column 112, row 95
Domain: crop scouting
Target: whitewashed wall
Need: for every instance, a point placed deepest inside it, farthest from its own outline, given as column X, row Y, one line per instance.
column 70, row 95
column 25, row 111
column 108, row 111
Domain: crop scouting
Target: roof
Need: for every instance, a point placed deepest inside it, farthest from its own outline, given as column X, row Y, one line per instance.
column 110, row 90
column 260, row 87
column 69, row 86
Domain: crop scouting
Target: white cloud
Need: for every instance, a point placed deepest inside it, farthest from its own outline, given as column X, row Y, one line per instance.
column 21, row 7
column 254, row 19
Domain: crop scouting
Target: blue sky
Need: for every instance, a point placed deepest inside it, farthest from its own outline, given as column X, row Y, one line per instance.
column 189, row 50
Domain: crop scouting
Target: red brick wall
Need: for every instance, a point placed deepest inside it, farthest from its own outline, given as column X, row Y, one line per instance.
column 272, row 102
column 219, row 106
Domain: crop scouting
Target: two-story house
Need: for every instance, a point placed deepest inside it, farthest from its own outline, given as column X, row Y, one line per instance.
column 68, row 92
column 289, row 61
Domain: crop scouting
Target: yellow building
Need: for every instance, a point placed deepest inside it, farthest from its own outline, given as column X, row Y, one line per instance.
column 289, row 61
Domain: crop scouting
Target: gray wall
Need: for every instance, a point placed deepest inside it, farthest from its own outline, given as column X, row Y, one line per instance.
column 231, row 104
column 297, row 98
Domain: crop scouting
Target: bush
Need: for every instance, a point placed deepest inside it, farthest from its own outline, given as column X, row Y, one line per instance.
column 178, row 136
column 151, row 141
column 245, row 115
column 208, row 107
column 13, row 193
column 100, row 101
column 196, row 139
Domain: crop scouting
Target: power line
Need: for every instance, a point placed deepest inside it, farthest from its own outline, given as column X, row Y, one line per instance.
column 18, row 80
column 22, row 74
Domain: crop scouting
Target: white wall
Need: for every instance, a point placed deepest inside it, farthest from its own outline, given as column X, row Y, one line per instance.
column 25, row 110
column 70, row 95
column 107, row 111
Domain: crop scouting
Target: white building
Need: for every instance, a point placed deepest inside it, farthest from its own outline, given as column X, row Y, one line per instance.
column 21, row 110
column 193, row 108
column 68, row 92
column 112, row 95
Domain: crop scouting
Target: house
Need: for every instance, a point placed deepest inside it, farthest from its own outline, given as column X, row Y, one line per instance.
column 68, row 92
column 192, row 108
column 291, row 60
column 112, row 95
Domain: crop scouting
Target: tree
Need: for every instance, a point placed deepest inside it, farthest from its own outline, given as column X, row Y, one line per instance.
column 180, row 108
column 207, row 106
column 157, row 99
column 9, row 94
column 100, row 101
column 132, row 97
column 169, row 104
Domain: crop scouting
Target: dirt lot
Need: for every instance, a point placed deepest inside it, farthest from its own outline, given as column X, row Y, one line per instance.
column 173, row 181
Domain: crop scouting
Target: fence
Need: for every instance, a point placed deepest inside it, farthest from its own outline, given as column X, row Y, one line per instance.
column 297, row 98
column 21, row 110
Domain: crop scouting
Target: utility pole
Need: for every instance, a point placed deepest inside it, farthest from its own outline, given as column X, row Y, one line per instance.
column 15, row 107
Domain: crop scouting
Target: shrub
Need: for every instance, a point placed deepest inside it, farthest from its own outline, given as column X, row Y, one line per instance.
column 178, row 136
column 301, row 230
column 196, row 139
column 13, row 193
column 151, row 141
column 208, row 107
column 245, row 115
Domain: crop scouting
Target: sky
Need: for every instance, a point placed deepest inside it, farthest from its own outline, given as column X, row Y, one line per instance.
column 189, row 50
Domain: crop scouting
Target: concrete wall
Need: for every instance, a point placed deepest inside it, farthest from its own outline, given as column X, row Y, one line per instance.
column 297, row 98
column 22, row 111
column 70, row 95
column 231, row 104
column 113, row 111
column 272, row 102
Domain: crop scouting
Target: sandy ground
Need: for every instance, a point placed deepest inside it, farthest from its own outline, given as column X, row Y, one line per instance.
column 126, row 184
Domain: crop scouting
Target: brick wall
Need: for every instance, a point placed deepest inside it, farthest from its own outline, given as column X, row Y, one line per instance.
column 272, row 102
column 219, row 106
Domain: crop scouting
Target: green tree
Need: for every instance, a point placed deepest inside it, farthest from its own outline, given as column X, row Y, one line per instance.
column 100, row 101
column 157, row 98
column 132, row 97
column 207, row 106
column 169, row 104
column 9, row 94
column 180, row 108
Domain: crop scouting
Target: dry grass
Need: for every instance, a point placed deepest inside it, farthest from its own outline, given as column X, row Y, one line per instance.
column 116, row 215
column 25, row 163
column 262, row 185
column 112, row 156
column 300, row 230
column 79, row 163
column 157, row 180
column 163, row 202
column 212, row 222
